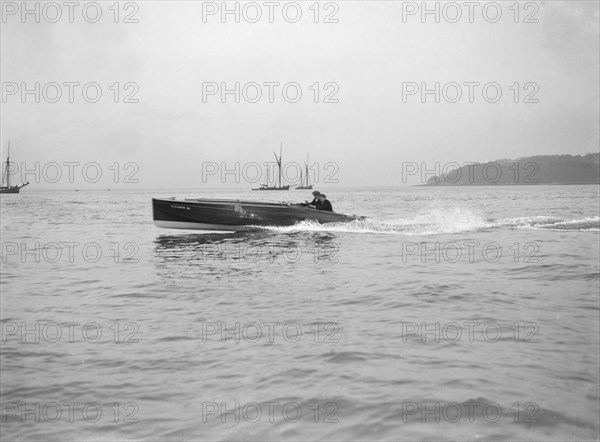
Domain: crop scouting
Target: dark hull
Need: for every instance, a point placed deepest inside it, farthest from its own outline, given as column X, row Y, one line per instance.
column 235, row 215
column 11, row 189
column 273, row 188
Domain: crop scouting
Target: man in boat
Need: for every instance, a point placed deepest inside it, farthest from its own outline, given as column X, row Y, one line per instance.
column 315, row 200
column 323, row 203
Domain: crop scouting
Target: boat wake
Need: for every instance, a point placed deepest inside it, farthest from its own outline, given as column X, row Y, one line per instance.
column 589, row 224
column 433, row 222
column 438, row 221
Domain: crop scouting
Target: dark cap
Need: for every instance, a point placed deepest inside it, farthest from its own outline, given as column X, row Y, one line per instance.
column 316, row 192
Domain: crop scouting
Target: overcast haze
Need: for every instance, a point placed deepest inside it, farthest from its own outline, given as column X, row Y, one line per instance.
column 369, row 53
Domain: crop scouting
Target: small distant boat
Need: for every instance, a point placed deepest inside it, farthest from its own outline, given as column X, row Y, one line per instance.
column 266, row 186
column 308, row 185
column 5, row 186
column 280, row 187
column 236, row 215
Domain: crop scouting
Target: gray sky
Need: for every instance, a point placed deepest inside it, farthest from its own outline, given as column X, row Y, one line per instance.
column 369, row 53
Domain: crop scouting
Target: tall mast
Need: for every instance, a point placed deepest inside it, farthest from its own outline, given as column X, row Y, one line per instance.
column 280, row 152
column 278, row 159
column 8, row 166
column 306, row 165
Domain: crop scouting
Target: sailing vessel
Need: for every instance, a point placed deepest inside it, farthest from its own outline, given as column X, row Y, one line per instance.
column 279, row 187
column 6, row 172
column 308, row 185
column 264, row 185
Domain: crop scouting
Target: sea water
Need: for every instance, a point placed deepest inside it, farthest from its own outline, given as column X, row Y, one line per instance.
column 450, row 313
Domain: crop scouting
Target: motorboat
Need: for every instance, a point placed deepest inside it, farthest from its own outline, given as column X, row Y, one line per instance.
column 236, row 215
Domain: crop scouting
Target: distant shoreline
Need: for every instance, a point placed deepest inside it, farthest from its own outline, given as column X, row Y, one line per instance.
column 552, row 170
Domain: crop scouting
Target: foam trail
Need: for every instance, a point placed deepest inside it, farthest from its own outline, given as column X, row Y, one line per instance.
column 431, row 222
column 440, row 221
column 541, row 222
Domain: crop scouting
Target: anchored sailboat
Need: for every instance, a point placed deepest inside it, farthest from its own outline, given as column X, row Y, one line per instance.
column 264, row 185
column 308, row 185
column 6, row 172
column 279, row 187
